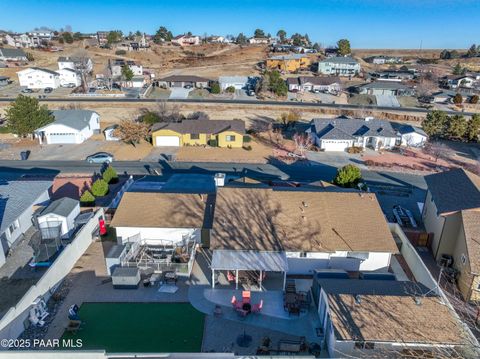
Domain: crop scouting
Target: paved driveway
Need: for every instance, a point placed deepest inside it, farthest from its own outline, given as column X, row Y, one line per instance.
column 387, row 100
column 66, row 152
column 179, row 93
column 335, row 159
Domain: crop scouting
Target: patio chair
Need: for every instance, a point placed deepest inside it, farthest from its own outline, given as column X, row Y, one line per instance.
column 246, row 295
column 257, row 308
column 234, row 302
column 230, row 276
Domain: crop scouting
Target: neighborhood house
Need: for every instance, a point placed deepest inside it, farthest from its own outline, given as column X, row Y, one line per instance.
column 184, row 80
column 339, row 66
column 38, row 78
column 288, row 63
column 17, row 55
column 314, row 83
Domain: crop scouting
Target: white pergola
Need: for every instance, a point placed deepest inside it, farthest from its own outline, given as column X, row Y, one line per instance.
column 263, row 261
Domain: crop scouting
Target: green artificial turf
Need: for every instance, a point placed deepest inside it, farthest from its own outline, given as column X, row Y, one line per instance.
column 140, row 327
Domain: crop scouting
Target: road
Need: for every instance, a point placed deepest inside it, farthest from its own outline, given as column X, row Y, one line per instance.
column 244, row 102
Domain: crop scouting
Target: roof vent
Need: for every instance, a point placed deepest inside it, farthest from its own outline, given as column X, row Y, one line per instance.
column 358, row 299
column 368, row 118
column 304, row 218
column 304, row 204
column 418, row 300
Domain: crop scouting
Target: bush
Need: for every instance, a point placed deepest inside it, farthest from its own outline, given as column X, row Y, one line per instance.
column 99, row 188
column 247, row 139
column 87, row 198
column 215, row 88
column 213, row 143
column 457, row 99
column 247, row 148
column 474, row 99
column 348, row 176
column 230, row 89
column 354, row 149
column 110, row 175
column 150, row 118
column 120, row 52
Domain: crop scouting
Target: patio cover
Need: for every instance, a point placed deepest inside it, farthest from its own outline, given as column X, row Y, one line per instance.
column 249, row 261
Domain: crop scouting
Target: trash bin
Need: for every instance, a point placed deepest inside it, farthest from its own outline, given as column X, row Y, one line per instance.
column 24, row 155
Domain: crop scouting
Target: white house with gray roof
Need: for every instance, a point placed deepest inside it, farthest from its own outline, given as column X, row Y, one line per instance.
column 13, row 55
column 343, row 132
column 69, row 127
column 339, row 66
column 38, row 78
column 58, row 218
column 18, row 197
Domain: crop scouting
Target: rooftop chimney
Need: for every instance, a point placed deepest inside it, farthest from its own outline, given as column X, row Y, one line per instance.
column 219, row 179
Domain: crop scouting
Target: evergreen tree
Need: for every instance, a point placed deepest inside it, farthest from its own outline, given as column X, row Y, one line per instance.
column 25, row 115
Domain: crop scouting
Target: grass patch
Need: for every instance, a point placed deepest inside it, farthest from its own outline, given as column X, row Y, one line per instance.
column 4, row 129
column 140, row 327
column 362, row 100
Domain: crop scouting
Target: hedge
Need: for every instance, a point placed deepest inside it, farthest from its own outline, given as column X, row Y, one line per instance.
column 87, row 198
column 100, row 188
column 110, row 175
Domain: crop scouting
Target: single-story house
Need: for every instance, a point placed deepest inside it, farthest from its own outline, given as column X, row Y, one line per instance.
column 238, row 82
column 393, row 75
column 288, row 63
column 340, row 133
column 4, row 80
column 455, row 81
column 259, row 40
column 69, row 76
column 412, row 136
column 69, row 127
column 446, row 96
column 17, row 55
column 184, row 80
column 339, row 66
column 58, row 218
column 314, row 83
column 383, row 59
column 186, row 40
column 109, row 133
column 385, row 318
column 451, row 214
column 226, row 133
column 38, row 78
column 391, row 88
column 18, row 199
column 75, row 63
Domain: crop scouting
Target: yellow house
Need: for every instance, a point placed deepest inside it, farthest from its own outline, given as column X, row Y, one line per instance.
column 223, row 133
column 289, row 63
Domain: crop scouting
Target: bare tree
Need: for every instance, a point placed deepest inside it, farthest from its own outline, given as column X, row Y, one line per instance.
column 131, row 132
column 82, row 66
column 302, row 142
column 437, row 150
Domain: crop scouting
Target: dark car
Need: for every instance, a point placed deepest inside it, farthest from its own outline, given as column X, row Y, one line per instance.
column 47, row 90
column 100, row 157
column 26, row 91
column 187, row 86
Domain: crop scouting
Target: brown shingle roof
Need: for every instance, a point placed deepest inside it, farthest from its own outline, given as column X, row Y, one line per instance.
column 471, row 226
column 319, row 80
column 184, row 78
column 160, row 210
column 293, row 220
column 202, row 126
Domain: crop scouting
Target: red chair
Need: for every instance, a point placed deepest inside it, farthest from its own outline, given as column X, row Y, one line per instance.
column 234, row 302
column 230, row 276
column 257, row 308
column 246, row 296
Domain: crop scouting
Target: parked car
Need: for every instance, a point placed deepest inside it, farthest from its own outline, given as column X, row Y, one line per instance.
column 47, row 90
column 188, row 86
column 26, row 91
column 102, row 87
column 69, row 85
column 100, row 157
column 92, row 90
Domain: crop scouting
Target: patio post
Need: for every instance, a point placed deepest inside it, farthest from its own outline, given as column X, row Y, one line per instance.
column 236, row 279
column 284, row 279
column 260, row 279
column 213, row 278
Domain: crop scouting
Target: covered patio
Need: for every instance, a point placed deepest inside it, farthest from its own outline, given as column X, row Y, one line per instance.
column 248, row 265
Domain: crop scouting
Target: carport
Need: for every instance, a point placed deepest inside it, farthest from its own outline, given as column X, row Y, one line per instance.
column 261, row 261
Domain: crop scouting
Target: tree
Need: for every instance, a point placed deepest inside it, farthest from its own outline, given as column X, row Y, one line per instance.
column 472, row 51
column 473, row 128
column 474, row 99
column 348, row 176
column 343, row 46
column 87, row 198
column 303, row 142
column 241, row 39
column 272, row 81
column 259, row 33
column 77, row 36
column 215, row 87
column 131, row 132
column 25, row 115
column 162, row 35
column 114, row 36
column 67, row 37
column 316, row 47
column 289, row 118
column 457, row 70
column 30, row 56
column 230, row 89
column 457, row 99
column 456, row 127
column 127, row 72
column 282, row 35
column 99, row 188
column 437, row 150
column 150, row 117
column 445, row 54
column 298, row 40
column 110, row 175
column 435, row 124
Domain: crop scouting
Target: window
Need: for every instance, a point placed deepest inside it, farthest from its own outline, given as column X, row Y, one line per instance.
column 194, row 136
column 230, row 138
column 14, row 226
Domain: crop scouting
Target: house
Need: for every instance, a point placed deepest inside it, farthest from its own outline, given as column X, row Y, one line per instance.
column 446, row 96
column 185, row 80
column 451, row 214
column 38, row 78
column 385, row 319
column 340, row 133
column 412, row 136
column 237, row 82
column 118, row 64
column 18, row 199
column 258, row 40
column 102, row 37
column 454, row 81
column 314, row 83
column 393, row 75
column 69, row 76
column 4, row 80
column 15, row 55
column 69, row 127
column 186, row 40
column 58, row 218
column 83, row 64
column 331, row 52
column 216, row 39
column 41, row 37
column 225, row 133
column 288, row 63
column 382, row 59
column 390, row 88
column 109, row 133
column 339, row 66
column 19, row 40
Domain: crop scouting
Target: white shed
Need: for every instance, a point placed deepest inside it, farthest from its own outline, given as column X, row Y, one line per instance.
column 109, row 133
column 60, row 213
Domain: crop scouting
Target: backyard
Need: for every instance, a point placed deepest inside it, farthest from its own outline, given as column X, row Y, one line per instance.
column 128, row 327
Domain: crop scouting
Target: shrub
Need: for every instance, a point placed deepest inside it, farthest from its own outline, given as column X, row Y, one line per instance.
column 247, row 148
column 110, row 175
column 474, row 99
column 354, row 149
column 457, row 99
column 215, row 88
column 213, row 143
column 247, row 139
column 100, row 188
column 120, row 52
column 230, row 89
column 348, row 176
column 87, row 198
column 30, row 56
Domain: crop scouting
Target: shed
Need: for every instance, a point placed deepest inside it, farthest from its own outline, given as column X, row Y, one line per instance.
column 59, row 215
column 108, row 132
column 126, row 278
column 114, row 257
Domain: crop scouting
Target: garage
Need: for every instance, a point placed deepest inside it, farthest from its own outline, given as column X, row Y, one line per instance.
column 61, row 138
column 172, row 141
column 332, row 145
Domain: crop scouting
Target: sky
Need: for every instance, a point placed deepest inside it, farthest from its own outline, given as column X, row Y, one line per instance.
column 366, row 23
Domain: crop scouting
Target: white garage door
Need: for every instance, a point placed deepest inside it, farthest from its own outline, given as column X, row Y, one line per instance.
column 167, row 141
column 59, row 138
column 335, row 145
